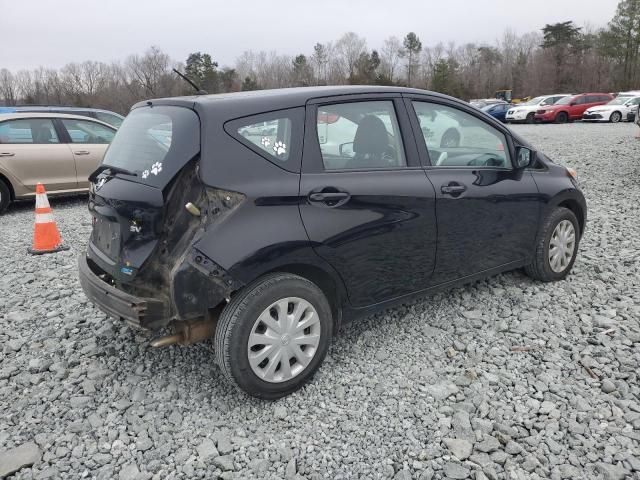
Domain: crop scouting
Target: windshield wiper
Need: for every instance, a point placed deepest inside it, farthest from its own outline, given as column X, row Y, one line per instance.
column 112, row 170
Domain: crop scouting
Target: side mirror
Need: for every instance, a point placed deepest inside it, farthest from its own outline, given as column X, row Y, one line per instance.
column 524, row 157
column 346, row 149
column 573, row 104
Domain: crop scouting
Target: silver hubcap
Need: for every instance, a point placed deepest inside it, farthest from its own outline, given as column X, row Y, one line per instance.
column 284, row 339
column 561, row 246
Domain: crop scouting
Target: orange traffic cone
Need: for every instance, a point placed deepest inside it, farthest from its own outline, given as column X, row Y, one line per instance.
column 46, row 237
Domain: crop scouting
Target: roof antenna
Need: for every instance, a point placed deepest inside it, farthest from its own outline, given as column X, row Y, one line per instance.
column 198, row 90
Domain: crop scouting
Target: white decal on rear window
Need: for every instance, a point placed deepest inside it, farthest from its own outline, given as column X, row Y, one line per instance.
column 145, row 174
column 265, row 141
column 156, row 168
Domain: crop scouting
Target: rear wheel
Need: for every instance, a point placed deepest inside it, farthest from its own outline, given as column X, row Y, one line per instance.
column 5, row 196
column 273, row 335
column 557, row 246
column 562, row 117
column 530, row 118
column 615, row 117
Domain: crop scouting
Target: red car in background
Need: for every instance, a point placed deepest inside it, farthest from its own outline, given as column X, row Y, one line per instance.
column 571, row 108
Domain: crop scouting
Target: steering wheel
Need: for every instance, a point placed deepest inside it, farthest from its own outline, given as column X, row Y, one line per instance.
column 486, row 160
column 442, row 158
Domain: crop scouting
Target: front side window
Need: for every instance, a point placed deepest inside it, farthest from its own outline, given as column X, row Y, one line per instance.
column 31, row 130
column 360, row 135
column 84, row 131
column 457, row 139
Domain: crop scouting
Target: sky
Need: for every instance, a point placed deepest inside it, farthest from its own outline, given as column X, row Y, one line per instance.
column 51, row 33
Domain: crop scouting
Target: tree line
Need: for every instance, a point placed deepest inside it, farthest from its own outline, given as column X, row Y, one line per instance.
column 560, row 58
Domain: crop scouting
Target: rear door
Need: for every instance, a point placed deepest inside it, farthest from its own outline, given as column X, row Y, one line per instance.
column 32, row 151
column 487, row 212
column 367, row 206
column 88, row 141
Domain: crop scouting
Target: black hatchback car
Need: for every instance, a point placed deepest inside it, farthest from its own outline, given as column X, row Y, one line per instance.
column 263, row 220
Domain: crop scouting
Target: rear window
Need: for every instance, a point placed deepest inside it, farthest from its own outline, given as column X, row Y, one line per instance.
column 155, row 143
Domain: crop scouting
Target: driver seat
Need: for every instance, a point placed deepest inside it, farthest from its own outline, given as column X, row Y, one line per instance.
column 370, row 144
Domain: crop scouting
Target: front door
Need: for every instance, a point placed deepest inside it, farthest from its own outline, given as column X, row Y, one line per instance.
column 88, row 141
column 31, row 150
column 367, row 206
column 487, row 211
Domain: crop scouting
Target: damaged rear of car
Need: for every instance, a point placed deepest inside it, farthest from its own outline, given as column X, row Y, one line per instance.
column 191, row 203
column 141, row 257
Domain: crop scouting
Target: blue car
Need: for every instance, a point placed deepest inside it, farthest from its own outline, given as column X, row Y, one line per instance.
column 497, row 110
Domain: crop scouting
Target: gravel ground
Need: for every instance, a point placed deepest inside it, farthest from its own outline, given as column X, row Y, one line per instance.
column 505, row 378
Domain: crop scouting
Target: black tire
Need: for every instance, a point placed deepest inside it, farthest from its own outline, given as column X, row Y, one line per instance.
column 615, row 117
column 5, row 196
column 531, row 118
column 562, row 117
column 450, row 139
column 540, row 267
column 237, row 321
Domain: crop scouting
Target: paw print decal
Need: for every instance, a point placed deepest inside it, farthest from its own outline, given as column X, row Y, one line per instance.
column 156, row 168
column 265, row 141
column 145, row 174
column 280, row 148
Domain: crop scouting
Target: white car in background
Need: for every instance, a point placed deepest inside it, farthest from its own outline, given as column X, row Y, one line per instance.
column 615, row 111
column 525, row 112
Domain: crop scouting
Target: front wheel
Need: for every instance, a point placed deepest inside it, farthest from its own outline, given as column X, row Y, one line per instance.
column 562, row 117
column 615, row 117
column 557, row 246
column 530, row 118
column 273, row 335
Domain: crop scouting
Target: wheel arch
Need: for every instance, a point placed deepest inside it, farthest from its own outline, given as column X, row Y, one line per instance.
column 9, row 185
column 325, row 281
column 576, row 207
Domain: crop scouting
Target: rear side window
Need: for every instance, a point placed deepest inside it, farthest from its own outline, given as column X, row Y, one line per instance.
column 272, row 137
column 109, row 118
column 32, row 130
column 155, row 143
column 276, row 136
column 360, row 135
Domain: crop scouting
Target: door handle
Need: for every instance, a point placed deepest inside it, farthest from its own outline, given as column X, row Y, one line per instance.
column 329, row 197
column 324, row 196
column 82, row 152
column 452, row 189
column 6, row 154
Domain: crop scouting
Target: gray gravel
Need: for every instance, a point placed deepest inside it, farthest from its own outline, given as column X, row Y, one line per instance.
column 505, row 378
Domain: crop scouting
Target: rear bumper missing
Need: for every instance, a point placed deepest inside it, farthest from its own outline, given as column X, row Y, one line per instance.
column 148, row 313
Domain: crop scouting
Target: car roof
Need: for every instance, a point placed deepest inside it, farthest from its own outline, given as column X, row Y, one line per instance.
column 281, row 98
column 20, row 115
column 47, row 108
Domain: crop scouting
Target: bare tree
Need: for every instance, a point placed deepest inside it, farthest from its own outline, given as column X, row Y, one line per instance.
column 391, row 53
column 350, row 46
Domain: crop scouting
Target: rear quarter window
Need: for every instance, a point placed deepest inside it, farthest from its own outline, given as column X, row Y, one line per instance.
column 276, row 136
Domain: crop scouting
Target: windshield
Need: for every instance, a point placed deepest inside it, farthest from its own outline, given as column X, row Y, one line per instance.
column 619, row 100
column 155, row 142
column 565, row 101
column 533, row 101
